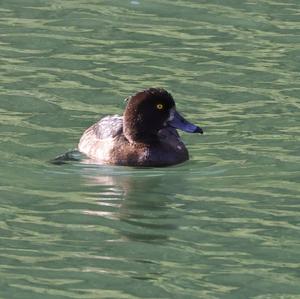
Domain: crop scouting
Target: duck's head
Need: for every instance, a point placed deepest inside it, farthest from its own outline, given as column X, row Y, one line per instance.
column 149, row 111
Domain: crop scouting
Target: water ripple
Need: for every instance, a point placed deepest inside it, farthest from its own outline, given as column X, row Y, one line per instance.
column 223, row 225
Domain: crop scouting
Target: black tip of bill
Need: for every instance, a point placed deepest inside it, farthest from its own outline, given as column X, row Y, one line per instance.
column 198, row 130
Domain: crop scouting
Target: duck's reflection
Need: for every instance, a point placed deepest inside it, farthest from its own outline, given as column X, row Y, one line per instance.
column 140, row 201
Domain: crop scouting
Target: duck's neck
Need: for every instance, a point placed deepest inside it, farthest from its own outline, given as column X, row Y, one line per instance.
column 141, row 137
column 139, row 129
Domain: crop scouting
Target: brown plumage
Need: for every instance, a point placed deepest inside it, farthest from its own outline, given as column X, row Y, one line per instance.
column 144, row 136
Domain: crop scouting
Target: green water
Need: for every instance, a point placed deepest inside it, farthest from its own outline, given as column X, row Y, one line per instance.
column 223, row 225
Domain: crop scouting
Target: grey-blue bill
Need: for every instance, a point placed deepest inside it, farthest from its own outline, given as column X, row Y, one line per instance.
column 177, row 121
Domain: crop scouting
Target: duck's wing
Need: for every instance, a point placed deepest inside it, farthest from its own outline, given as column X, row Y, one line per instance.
column 97, row 139
column 107, row 127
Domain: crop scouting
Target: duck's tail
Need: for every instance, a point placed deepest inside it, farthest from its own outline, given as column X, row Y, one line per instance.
column 70, row 156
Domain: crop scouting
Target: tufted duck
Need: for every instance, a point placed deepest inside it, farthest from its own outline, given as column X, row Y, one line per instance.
column 144, row 136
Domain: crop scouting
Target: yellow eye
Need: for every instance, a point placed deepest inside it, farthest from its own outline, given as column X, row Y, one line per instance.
column 159, row 106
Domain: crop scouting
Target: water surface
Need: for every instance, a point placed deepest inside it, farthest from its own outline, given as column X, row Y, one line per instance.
column 223, row 225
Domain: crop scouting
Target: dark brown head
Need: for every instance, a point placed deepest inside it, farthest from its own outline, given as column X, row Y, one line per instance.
column 150, row 110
